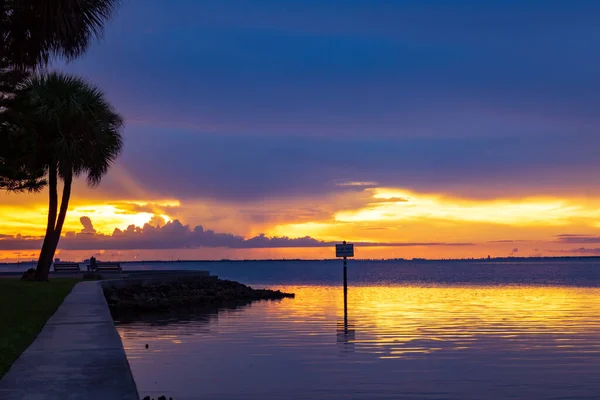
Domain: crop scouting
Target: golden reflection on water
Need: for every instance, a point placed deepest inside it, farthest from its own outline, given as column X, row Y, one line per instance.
column 408, row 320
column 505, row 334
column 403, row 321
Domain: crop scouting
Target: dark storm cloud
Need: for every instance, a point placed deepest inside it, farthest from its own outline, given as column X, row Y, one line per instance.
column 175, row 235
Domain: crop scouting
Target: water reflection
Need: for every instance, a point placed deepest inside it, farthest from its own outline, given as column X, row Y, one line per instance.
column 200, row 315
column 466, row 342
column 346, row 334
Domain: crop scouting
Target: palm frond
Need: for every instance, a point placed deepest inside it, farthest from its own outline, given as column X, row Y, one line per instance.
column 75, row 126
column 34, row 31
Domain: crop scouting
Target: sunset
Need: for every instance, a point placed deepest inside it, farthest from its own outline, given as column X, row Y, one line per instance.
column 390, row 222
column 477, row 137
column 260, row 199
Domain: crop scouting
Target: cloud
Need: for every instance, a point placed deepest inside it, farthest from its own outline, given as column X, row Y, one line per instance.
column 150, row 208
column 18, row 242
column 157, row 221
column 581, row 250
column 416, row 103
column 319, row 81
column 517, row 212
column 88, row 227
column 175, row 235
column 307, row 167
column 507, row 241
column 389, row 200
column 574, row 238
column 359, row 184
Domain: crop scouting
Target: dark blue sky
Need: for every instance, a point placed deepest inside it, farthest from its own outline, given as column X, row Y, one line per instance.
column 254, row 99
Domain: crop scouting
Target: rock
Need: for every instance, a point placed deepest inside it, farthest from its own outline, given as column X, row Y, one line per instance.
column 194, row 291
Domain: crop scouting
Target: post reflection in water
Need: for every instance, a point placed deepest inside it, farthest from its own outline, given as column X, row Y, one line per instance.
column 346, row 334
column 454, row 342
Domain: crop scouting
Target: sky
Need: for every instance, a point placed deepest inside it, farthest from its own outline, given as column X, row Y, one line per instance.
column 274, row 129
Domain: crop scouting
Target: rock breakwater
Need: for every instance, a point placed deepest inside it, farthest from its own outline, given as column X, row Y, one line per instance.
column 190, row 292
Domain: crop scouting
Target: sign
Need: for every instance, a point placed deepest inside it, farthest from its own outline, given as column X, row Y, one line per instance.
column 344, row 250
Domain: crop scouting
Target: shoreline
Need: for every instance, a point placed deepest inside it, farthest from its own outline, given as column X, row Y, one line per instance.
column 79, row 352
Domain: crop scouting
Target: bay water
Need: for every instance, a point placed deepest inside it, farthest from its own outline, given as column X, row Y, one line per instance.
column 411, row 330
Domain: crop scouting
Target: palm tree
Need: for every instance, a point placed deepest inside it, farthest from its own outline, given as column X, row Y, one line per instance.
column 73, row 131
column 32, row 32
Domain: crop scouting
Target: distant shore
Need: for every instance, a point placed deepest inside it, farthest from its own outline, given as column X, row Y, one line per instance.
column 407, row 260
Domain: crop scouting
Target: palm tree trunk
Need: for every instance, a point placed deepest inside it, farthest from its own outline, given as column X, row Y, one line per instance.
column 45, row 259
column 64, row 205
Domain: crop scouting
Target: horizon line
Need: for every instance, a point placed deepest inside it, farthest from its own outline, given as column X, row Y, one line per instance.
column 400, row 259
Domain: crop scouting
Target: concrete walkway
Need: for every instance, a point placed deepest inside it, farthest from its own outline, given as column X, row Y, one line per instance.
column 78, row 355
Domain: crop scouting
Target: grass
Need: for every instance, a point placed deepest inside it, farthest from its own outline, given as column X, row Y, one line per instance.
column 24, row 309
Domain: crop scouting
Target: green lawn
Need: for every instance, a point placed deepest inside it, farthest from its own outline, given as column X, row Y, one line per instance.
column 24, row 309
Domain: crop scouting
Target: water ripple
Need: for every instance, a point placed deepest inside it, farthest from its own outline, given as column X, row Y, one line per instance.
column 401, row 342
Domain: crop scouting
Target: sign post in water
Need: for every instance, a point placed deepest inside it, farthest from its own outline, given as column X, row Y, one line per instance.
column 345, row 250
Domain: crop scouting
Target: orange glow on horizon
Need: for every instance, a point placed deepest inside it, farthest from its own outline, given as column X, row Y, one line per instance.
column 431, row 225
column 400, row 204
column 396, row 215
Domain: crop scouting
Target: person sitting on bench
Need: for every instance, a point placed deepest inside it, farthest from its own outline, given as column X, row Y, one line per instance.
column 93, row 264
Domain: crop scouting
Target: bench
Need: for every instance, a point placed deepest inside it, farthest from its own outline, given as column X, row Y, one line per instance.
column 66, row 266
column 108, row 266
